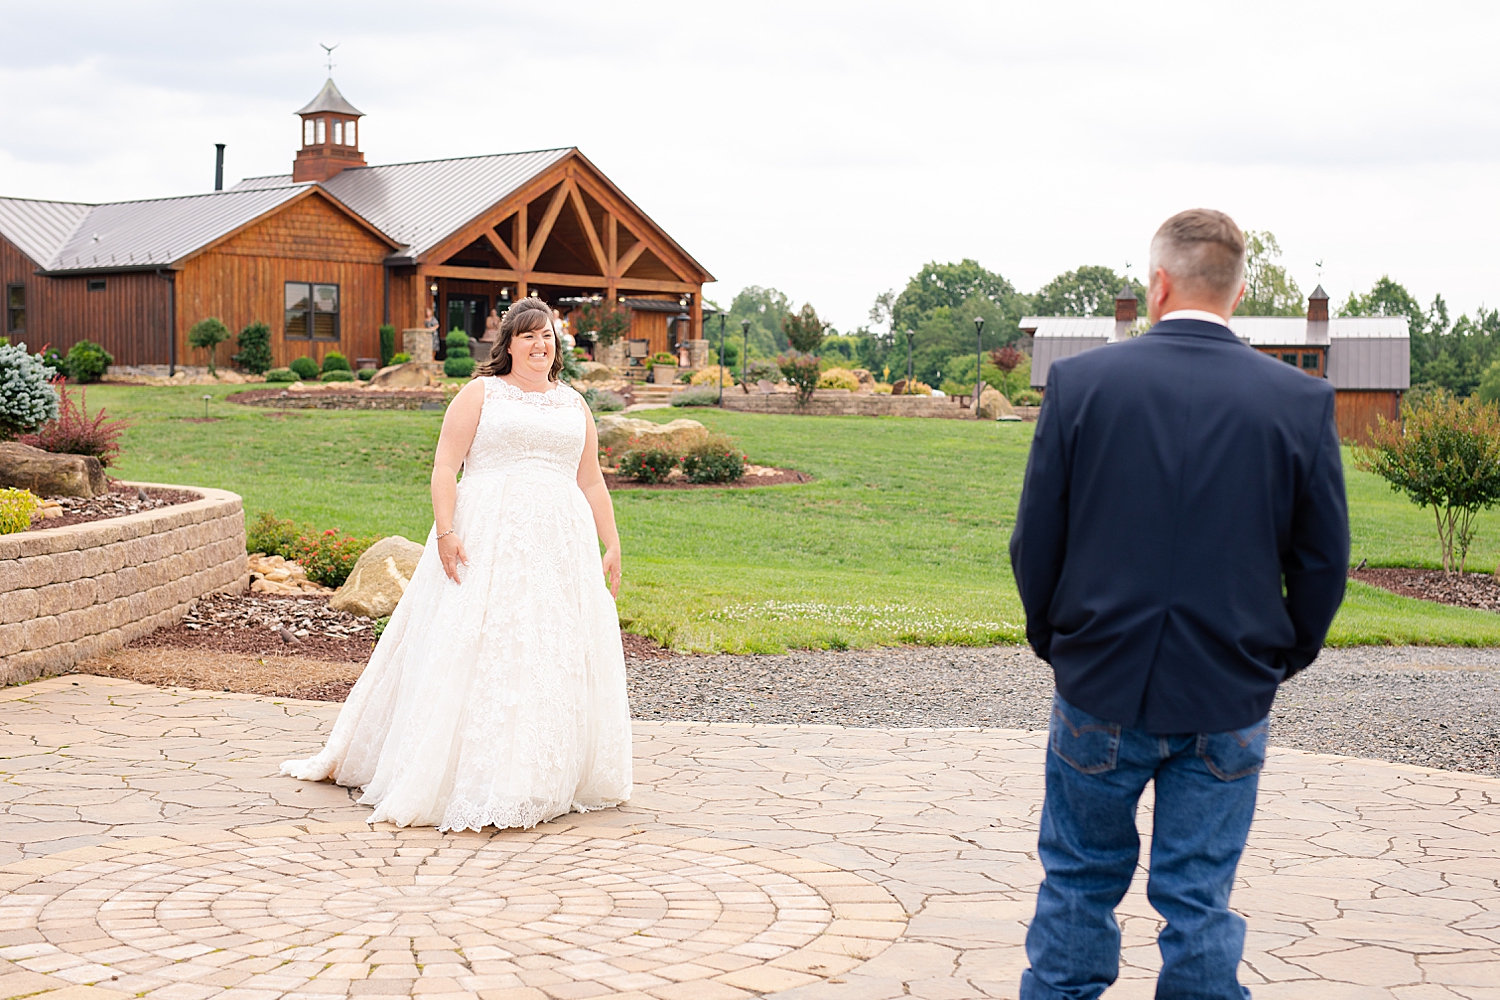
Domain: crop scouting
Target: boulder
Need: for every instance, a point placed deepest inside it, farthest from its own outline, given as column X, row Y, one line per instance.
column 379, row 578
column 994, row 406
column 616, row 431
column 866, row 380
column 411, row 375
column 47, row 475
column 593, row 371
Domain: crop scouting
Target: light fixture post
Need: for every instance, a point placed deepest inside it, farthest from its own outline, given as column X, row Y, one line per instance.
column 721, row 359
column 978, row 362
column 910, row 334
column 745, row 356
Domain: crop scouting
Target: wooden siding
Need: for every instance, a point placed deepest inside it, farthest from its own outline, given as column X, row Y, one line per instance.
column 128, row 317
column 652, row 326
column 1356, row 410
column 243, row 280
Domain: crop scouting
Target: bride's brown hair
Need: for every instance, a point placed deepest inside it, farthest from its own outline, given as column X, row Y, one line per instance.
column 523, row 317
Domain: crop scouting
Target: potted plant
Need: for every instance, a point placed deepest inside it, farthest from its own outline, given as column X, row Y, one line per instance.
column 663, row 368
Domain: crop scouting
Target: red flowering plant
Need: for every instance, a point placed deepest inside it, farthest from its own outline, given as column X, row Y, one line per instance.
column 74, row 432
column 327, row 557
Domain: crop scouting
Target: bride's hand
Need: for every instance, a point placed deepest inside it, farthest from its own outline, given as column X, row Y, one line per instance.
column 611, row 563
column 451, row 552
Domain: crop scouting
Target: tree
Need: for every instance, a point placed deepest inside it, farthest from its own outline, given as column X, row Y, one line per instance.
column 208, row 334
column 764, row 308
column 883, row 312
column 1269, row 290
column 605, row 321
column 804, row 331
column 951, row 285
column 1088, row 291
column 254, row 354
column 1454, row 358
column 1443, row 454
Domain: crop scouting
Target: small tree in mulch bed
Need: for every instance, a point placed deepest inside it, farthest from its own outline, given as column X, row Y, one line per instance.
column 1444, row 454
column 207, row 335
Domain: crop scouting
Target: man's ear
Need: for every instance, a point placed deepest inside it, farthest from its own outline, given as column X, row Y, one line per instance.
column 1238, row 298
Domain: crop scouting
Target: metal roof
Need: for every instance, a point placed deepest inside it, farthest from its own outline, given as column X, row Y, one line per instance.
column 1069, row 326
column 421, row 204
column 161, row 230
column 1258, row 331
column 655, row 305
column 39, row 228
column 329, row 99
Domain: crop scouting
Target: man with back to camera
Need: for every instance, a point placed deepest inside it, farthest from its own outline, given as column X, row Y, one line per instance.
column 1180, row 549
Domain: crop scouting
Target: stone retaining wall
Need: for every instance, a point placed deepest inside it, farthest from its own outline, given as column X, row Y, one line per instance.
column 843, row 403
column 67, row 594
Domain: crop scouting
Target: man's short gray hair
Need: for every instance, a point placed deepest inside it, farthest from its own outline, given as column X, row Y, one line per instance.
column 1203, row 250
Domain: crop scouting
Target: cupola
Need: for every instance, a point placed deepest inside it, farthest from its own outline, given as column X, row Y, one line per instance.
column 330, row 136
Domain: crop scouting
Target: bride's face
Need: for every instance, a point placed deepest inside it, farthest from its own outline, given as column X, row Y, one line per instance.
column 531, row 353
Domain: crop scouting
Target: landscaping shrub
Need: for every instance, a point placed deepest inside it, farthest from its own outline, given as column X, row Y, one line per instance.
column 337, row 375
column 715, row 459
column 838, row 378
column 802, row 371
column 709, row 375
column 282, row 375
column 661, row 358
column 270, row 535
column 1444, row 454
column 804, row 330
column 603, row 401
column 400, row 358
column 458, row 344
column 702, row 395
column 305, row 367
column 757, row 371
column 87, row 361
column 387, row 344
column 27, row 399
column 16, row 510
column 328, row 557
column 648, row 465
column 365, row 374
column 380, row 624
column 603, row 320
column 458, row 367
column 333, row 361
column 49, row 357
column 208, row 334
column 73, row 432
column 1027, row 397
column 254, row 354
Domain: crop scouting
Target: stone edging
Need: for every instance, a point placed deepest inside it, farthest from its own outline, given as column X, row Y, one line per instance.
column 71, row 593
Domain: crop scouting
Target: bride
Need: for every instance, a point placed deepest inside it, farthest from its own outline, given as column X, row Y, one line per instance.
column 496, row 696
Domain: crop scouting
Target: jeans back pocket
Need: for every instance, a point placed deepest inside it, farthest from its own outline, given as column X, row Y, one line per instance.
column 1236, row 754
column 1089, row 744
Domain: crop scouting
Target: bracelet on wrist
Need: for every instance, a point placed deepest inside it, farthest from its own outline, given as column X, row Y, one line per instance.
column 440, row 534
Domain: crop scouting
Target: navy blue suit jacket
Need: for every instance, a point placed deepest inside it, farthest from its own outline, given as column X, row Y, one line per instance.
column 1182, row 538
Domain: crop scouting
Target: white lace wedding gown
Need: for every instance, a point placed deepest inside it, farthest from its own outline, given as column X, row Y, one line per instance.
column 499, row 701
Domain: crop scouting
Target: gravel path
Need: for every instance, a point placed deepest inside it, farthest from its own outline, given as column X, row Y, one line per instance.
column 1436, row 707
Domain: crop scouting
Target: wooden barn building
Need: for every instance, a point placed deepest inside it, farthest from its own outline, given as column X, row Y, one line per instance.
column 1368, row 359
column 331, row 251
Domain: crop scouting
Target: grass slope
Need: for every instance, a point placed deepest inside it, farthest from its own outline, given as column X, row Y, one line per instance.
column 901, row 538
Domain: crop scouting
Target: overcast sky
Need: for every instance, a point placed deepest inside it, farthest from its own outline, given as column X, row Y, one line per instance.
column 830, row 149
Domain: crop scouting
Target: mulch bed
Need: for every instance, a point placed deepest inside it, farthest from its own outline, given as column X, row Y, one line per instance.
column 268, row 625
column 118, row 502
column 779, row 477
column 1469, row 590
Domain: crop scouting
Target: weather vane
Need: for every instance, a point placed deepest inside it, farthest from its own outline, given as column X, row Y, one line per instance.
column 329, row 50
column 1319, row 265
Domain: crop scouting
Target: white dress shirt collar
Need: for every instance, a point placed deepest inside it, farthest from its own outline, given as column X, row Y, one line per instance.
column 1198, row 314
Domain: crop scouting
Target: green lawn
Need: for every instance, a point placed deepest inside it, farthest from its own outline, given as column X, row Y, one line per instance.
column 901, row 538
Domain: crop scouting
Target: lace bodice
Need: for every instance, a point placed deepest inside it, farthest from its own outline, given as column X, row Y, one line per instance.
column 528, row 431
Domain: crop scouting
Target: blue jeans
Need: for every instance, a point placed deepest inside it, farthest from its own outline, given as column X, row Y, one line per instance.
column 1205, row 799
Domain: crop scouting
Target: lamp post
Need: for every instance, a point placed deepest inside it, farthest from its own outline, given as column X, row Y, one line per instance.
column 978, row 362
column 745, row 356
column 721, row 359
column 910, row 334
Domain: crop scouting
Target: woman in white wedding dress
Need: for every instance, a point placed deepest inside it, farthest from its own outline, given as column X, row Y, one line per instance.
column 496, row 696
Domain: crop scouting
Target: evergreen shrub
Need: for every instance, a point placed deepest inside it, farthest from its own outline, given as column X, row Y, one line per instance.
column 208, row 334
column 305, row 367
column 254, row 354
column 282, row 375
column 365, row 374
column 400, row 358
column 387, row 344
column 27, row 399
column 337, row 375
column 87, row 361
column 333, row 361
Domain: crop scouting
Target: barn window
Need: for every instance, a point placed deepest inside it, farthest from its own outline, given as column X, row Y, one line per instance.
column 312, row 311
column 322, row 131
column 1310, row 362
column 96, row 284
column 308, row 131
column 338, row 132
column 15, row 308
column 349, row 132
column 1290, row 359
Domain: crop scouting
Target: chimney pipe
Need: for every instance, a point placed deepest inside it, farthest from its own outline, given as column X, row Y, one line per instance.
column 218, row 166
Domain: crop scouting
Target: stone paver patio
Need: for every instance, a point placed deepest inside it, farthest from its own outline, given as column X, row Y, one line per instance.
column 147, row 846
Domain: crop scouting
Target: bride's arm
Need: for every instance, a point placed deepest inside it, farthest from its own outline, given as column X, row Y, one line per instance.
column 459, row 425
column 591, row 481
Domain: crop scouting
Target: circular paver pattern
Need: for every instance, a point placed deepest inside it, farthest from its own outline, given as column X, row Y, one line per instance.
column 323, row 911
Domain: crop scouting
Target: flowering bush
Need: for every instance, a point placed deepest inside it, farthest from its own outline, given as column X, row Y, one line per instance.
column 27, row 399
column 648, row 465
column 270, row 535
column 839, row 378
column 17, row 507
column 328, row 556
column 603, row 401
column 716, row 459
column 802, row 371
column 74, row 432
